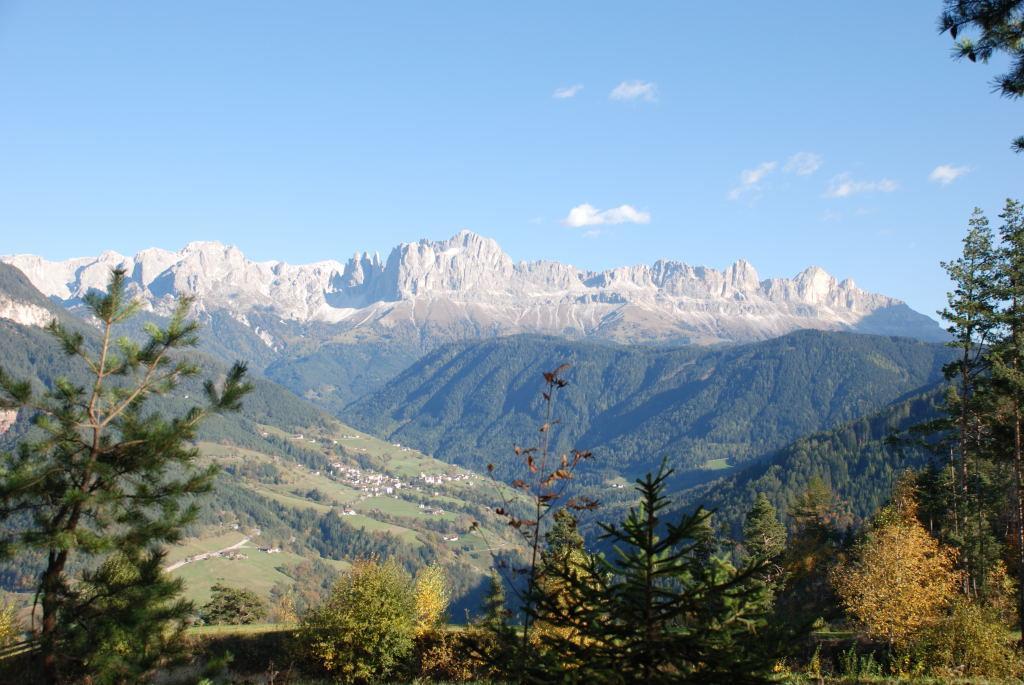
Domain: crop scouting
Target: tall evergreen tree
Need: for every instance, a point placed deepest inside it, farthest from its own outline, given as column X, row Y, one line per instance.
column 764, row 538
column 108, row 475
column 1008, row 366
column 971, row 313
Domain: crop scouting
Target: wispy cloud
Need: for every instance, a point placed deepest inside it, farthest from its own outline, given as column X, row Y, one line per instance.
column 566, row 92
column 588, row 215
column 947, row 173
column 635, row 90
column 844, row 185
column 803, row 163
column 750, row 179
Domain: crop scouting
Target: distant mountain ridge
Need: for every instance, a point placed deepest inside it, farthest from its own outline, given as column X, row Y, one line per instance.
column 467, row 288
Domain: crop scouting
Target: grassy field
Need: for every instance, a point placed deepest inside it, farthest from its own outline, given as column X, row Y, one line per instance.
column 257, row 572
column 251, row 629
column 716, row 464
column 209, row 543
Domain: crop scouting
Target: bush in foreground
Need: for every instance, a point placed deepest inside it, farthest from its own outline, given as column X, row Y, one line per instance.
column 367, row 626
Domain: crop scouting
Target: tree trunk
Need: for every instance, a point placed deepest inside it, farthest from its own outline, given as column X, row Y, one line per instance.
column 1019, row 477
column 50, row 586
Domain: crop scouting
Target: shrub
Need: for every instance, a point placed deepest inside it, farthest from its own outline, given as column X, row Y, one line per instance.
column 233, row 606
column 10, row 625
column 365, row 629
column 444, row 655
column 970, row 641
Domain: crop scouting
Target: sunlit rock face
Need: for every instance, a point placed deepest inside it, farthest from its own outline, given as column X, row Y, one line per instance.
column 25, row 313
column 467, row 287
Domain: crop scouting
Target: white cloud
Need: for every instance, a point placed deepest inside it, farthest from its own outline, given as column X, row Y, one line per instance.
column 803, row 163
column 588, row 215
column 844, row 186
column 635, row 90
column 567, row 91
column 750, row 179
column 947, row 173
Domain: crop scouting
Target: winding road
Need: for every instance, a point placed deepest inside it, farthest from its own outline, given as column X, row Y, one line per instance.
column 205, row 555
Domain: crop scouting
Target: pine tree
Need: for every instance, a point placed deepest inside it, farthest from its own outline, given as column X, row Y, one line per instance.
column 128, row 618
column 108, row 475
column 563, row 537
column 764, row 536
column 661, row 609
column 819, row 521
column 972, row 316
column 1007, row 356
column 492, row 641
column 495, row 614
column 1001, row 30
column 564, row 552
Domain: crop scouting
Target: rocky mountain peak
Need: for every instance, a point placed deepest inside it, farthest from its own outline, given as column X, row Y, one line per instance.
column 467, row 286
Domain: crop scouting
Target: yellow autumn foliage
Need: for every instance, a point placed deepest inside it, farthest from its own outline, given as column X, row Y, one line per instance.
column 900, row 579
column 432, row 599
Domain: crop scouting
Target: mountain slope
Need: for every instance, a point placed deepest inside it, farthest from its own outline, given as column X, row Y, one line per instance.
column 470, row 403
column 856, row 459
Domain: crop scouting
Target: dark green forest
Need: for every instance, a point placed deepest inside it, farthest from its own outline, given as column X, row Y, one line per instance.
column 470, row 403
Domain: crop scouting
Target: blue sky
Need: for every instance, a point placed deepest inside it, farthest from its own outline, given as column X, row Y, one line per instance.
column 309, row 130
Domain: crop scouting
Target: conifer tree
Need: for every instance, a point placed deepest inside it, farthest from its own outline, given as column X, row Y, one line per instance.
column 764, row 541
column 1007, row 356
column 495, row 614
column 819, row 520
column 109, row 475
column 493, row 641
column 1000, row 25
column 661, row 609
column 563, row 537
column 564, row 551
column 764, row 536
column 972, row 315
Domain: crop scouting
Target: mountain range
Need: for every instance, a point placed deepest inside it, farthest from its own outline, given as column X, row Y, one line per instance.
column 333, row 331
column 467, row 287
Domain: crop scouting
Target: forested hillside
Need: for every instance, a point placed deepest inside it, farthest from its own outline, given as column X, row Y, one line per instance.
column 471, row 403
column 860, row 461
